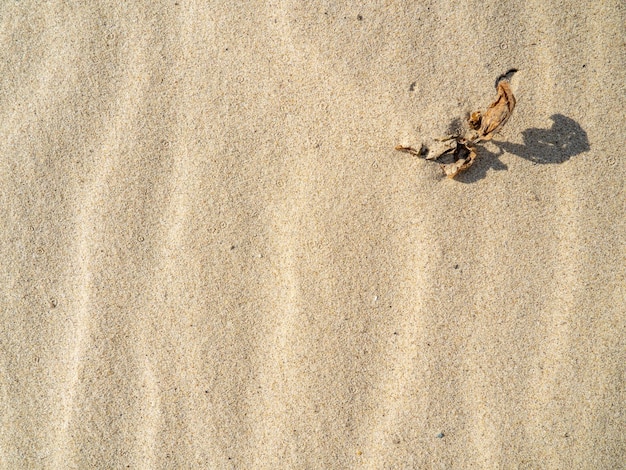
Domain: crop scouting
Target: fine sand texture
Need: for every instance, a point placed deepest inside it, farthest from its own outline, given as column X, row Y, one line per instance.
column 212, row 256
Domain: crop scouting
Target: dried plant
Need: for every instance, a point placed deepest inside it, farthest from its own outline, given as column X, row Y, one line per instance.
column 481, row 127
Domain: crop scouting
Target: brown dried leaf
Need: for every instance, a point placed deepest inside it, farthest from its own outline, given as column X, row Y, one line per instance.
column 440, row 147
column 482, row 126
column 411, row 150
column 497, row 114
column 464, row 157
column 474, row 120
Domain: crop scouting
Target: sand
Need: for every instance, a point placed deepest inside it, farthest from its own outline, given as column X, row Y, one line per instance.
column 212, row 256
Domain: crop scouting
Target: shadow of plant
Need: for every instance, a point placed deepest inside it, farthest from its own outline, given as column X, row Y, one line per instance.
column 557, row 144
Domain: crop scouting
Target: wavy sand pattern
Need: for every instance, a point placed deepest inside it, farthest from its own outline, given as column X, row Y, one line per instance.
column 212, row 256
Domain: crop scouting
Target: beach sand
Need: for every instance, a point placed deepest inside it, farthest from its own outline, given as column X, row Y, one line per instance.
column 213, row 257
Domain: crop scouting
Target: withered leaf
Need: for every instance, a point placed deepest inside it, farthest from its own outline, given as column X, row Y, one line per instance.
column 474, row 120
column 464, row 157
column 461, row 147
column 497, row 114
column 413, row 151
column 440, row 147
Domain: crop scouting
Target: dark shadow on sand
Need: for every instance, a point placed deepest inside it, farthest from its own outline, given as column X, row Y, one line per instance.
column 565, row 139
column 558, row 144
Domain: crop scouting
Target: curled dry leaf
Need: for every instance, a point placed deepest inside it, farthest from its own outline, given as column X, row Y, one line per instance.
column 497, row 114
column 411, row 150
column 441, row 147
column 481, row 127
column 474, row 120
column 464, row 157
